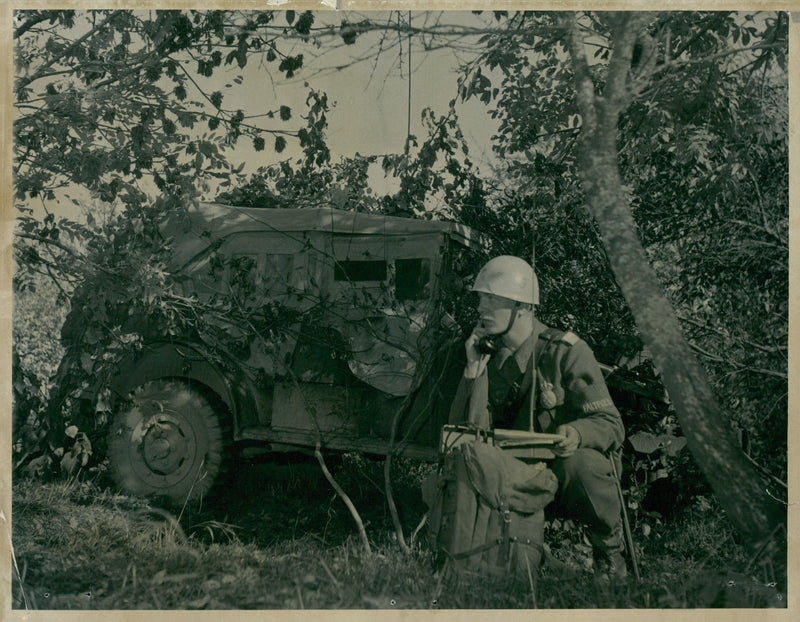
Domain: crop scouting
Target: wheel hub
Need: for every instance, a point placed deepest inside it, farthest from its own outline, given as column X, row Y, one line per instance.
column 165, row 442
column 164, row 446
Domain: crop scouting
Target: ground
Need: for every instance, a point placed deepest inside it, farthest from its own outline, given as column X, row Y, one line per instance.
column 275, row 536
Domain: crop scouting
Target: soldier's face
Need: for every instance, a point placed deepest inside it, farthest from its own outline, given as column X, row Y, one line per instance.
column 495, row 312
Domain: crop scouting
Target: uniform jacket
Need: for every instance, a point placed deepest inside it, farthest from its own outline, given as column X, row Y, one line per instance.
column 500, row 396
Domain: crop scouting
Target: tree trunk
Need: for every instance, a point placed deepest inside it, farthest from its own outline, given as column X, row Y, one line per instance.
column 735, row 481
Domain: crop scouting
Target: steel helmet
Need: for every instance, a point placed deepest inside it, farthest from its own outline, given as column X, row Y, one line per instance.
column 508, row 277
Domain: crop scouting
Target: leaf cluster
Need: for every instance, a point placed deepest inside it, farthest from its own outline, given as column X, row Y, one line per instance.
column 105, row 98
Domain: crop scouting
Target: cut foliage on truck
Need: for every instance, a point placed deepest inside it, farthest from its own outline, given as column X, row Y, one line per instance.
column 304, row 328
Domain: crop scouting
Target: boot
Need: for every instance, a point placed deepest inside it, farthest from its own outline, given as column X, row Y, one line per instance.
column 610, row 567
column 607, row 552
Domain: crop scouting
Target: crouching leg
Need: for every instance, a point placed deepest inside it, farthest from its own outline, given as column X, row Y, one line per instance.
column 587, row 492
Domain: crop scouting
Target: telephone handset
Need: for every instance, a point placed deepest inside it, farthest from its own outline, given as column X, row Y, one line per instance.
column 487, row 344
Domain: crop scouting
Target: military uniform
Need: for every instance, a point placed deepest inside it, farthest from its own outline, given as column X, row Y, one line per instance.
column 567, row 387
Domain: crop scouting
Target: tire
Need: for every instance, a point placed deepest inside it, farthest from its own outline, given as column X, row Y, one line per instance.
column 166, row 443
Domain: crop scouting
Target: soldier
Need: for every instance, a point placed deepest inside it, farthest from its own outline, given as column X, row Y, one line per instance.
column 513, row 361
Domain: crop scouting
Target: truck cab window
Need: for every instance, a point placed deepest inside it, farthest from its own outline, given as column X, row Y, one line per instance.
column 412, row 277
column 349, row 270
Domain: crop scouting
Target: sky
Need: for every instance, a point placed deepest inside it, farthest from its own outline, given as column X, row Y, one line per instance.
column 370, row 98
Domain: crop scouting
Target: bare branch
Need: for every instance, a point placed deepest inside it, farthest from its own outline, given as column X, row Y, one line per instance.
column 23, row 82
column 678, row 64
column 782, row 243
column 721, row 333
column 343, row 495
column 736, row 367
column 31, row 23
column 71, row 251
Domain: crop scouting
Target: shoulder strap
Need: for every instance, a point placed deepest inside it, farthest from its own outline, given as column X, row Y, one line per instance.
column 569, row 338
column 556, row 335
column 553, row 338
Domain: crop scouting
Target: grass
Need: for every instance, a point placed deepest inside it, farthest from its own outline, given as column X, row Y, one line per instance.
column 275, row 537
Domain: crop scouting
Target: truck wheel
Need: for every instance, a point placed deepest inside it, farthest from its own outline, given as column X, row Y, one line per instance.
column 166, row 442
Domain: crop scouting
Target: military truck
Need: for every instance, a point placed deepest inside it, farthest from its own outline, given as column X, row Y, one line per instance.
column 358, row 364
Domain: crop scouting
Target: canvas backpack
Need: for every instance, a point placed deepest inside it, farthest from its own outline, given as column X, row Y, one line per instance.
column 487, row 509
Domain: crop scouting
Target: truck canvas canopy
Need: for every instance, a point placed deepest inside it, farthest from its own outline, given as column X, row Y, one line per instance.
column 376, row 276
column 221, row 221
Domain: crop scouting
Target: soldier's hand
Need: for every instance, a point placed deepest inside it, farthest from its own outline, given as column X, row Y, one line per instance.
column 569, row 445
column 474, row 357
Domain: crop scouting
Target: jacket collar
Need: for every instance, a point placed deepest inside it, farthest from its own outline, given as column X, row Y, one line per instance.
column 525, row 352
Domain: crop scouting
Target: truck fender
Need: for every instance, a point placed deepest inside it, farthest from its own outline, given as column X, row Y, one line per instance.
column 172, row 360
